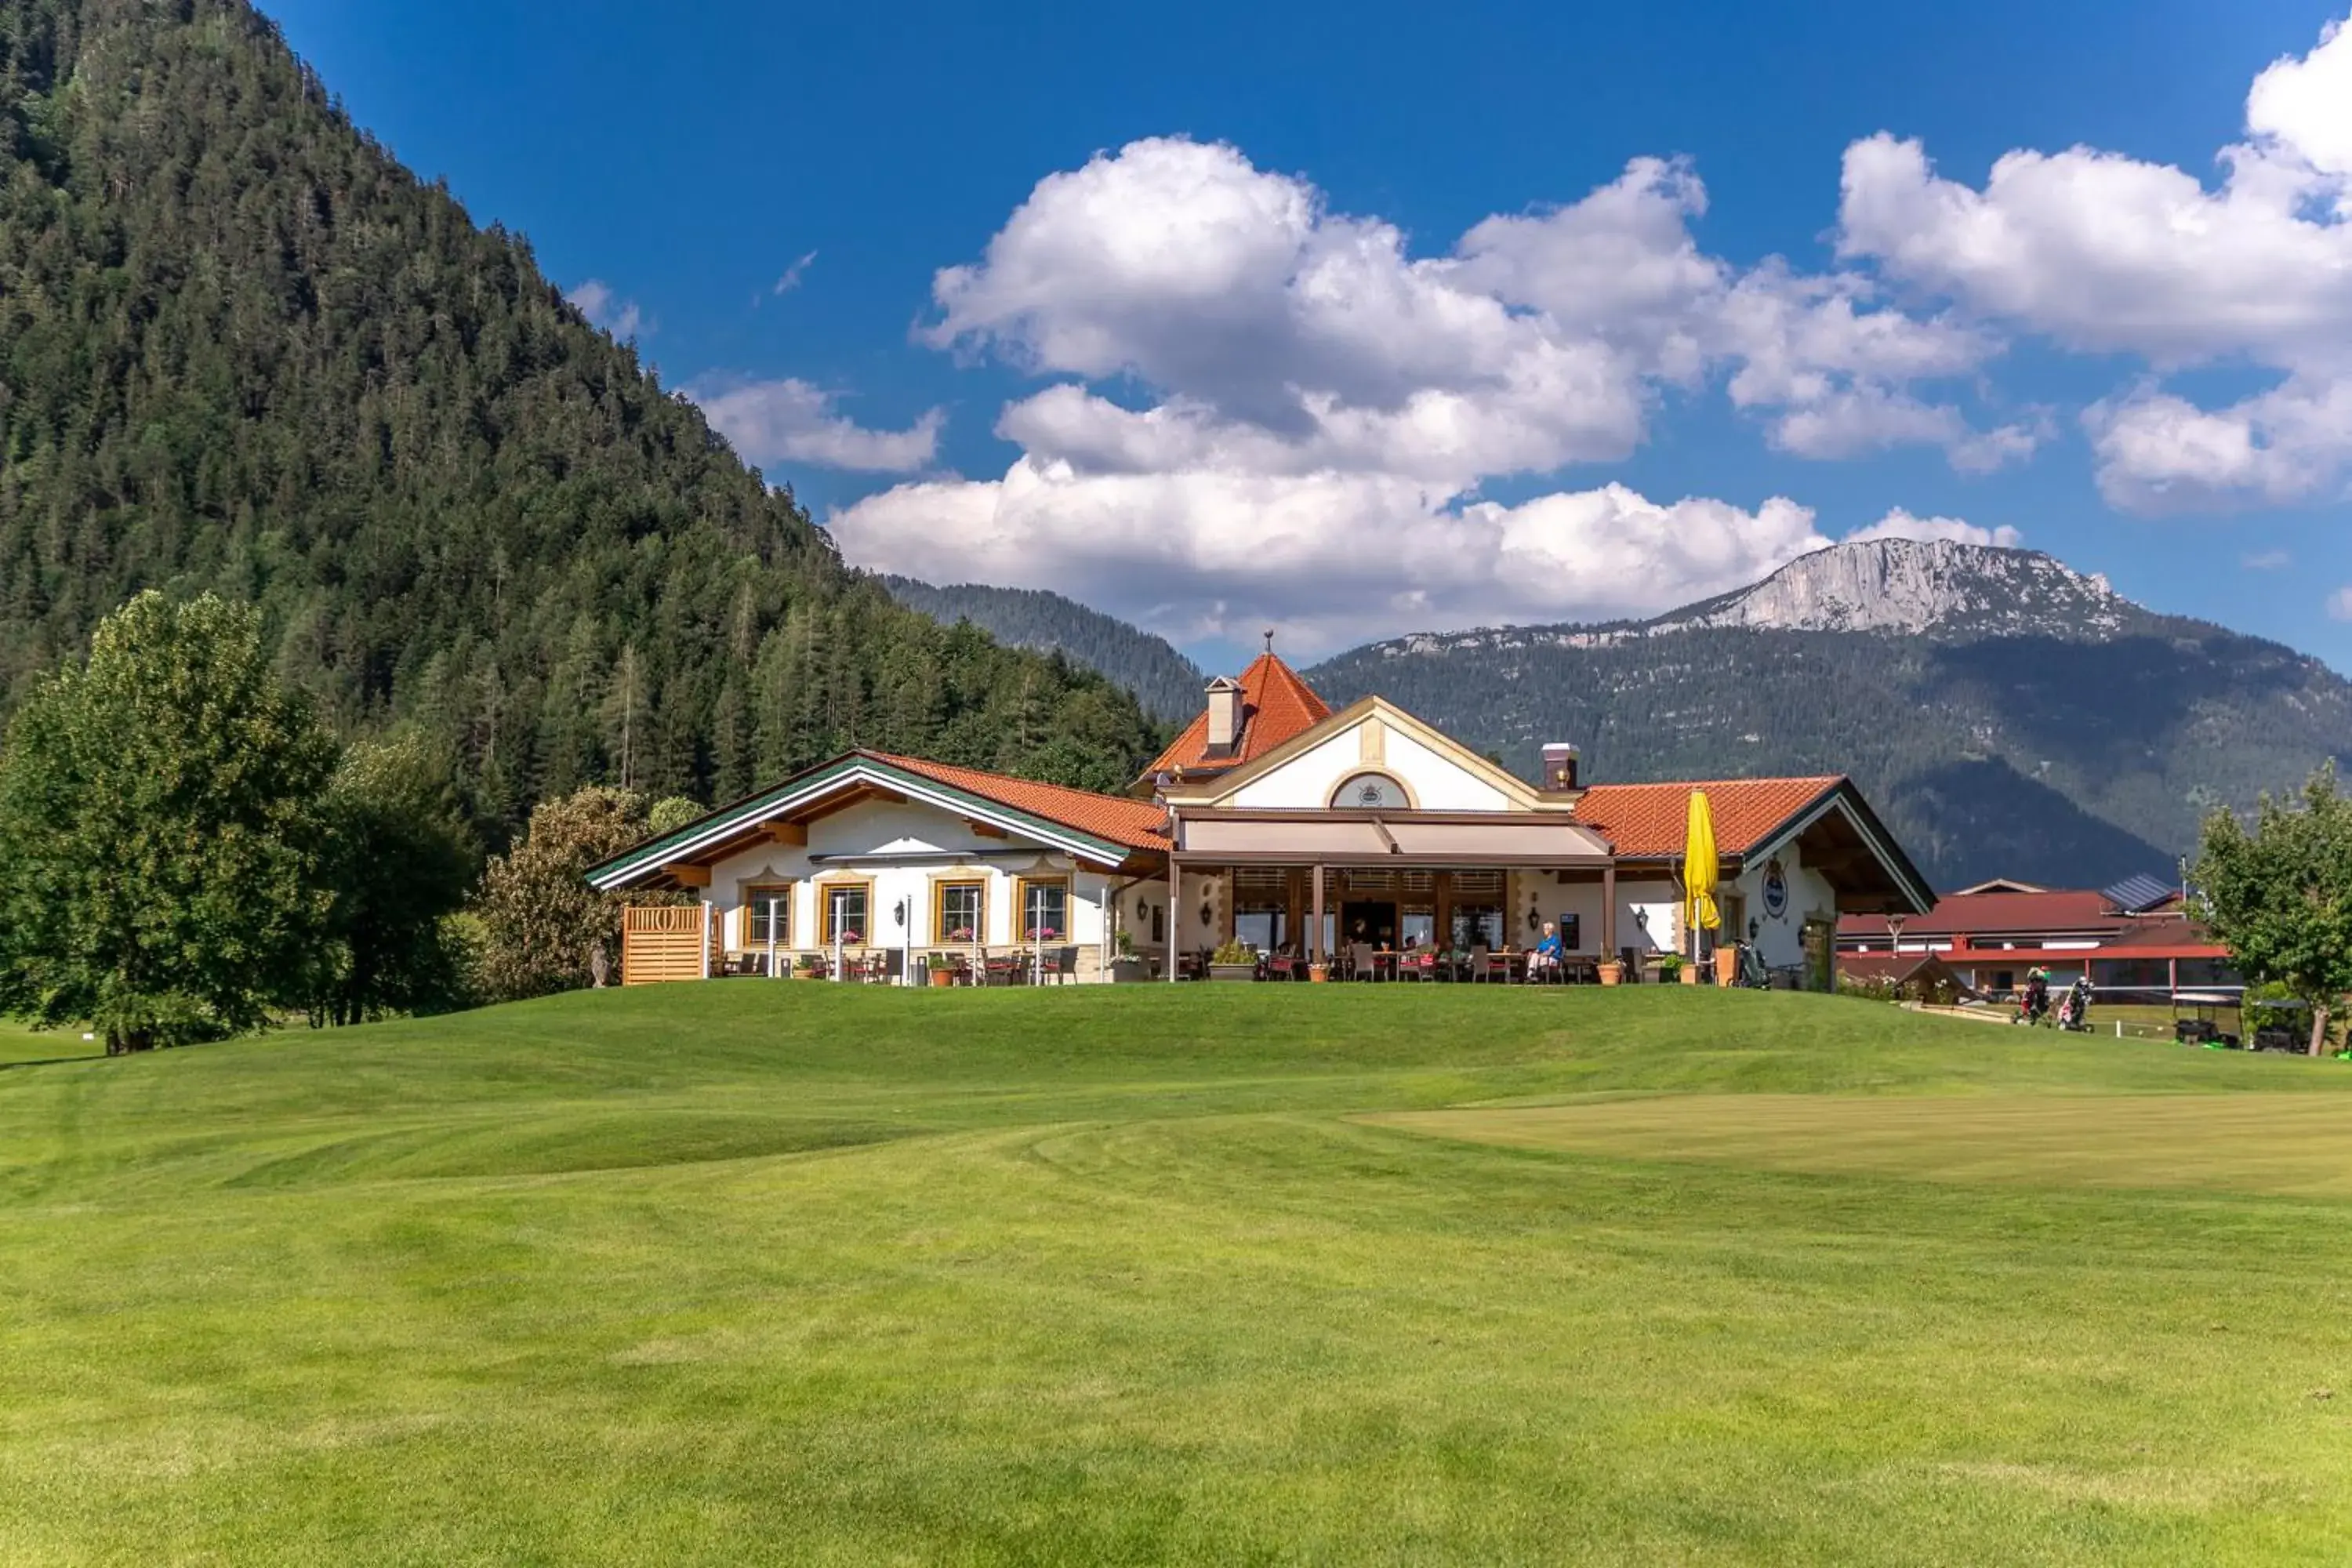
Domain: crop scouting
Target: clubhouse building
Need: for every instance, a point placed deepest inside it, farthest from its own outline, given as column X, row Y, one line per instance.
column 1363, row 842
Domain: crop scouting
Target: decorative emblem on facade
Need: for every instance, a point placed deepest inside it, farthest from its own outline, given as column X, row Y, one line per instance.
column 1776, row 889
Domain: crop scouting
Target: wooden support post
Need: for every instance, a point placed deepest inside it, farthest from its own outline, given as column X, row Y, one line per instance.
column 1315, row 954
column 1609, row 913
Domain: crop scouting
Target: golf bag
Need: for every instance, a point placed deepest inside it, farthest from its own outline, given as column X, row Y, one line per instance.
column 2074, row 1007
column 2033, row 1003
column 1753, row 975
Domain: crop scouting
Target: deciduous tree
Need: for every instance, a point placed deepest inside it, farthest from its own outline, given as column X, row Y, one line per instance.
column 161, row 834
column 542, row 924
column 401, row 859
column 2280, row 896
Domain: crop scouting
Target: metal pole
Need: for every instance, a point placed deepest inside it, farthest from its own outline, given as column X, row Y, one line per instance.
column 1175, row 909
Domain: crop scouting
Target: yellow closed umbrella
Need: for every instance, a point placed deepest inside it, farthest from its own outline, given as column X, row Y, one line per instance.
column 1701, row 870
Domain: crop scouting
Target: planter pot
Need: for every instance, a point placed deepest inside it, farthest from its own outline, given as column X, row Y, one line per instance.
column 1612, row 973
column 1318, row 973
column 1233, row 972
column 1690, row 975
column 1130, row 971
column 1726, row 967
column 943, row 978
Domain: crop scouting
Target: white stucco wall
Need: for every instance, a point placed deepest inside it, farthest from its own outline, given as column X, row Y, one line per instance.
column 1306, row 782
column 1781, row 938
column 1307, row 779
column 903, row 851
column 1439, row 784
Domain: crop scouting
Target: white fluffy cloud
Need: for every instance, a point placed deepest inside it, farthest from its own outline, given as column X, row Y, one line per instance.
column 2339, row 604
column 1272, row 331
column 1901, row 524
column 1331, row 558
column 1263, row 411
column 791, row 420
column 2109, row 254
column 597, row 300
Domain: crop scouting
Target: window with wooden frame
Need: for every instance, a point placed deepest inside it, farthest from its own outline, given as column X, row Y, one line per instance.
column 959, row 911
column 768, row 914
column 845, row 908
column 1046, row 909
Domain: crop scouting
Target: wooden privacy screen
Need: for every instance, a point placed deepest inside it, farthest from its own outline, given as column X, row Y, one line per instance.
column 661, row 942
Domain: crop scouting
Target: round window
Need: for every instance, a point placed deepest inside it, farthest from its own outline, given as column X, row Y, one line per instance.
column 1371, row 791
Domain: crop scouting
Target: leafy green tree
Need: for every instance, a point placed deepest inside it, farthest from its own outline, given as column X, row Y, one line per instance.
column 401, row 861
column 544, row 929
column 2280, row 897
column 162, row 838
column 671, row 812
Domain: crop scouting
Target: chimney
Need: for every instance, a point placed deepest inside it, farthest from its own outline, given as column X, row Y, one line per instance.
column 1224, row 713
column 1559, row 773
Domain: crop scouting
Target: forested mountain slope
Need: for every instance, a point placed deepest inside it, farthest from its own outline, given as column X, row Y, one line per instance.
column 1168, row 684
column 242, row 348
column 2007, row 715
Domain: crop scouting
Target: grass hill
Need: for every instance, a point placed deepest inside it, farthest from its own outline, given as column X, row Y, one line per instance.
column 743, row 1272
column 2006, row 715
column 241, row 347
column 1168, row 684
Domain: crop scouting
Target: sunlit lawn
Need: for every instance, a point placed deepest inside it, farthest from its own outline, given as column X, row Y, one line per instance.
column 798, row 1273
column 21, row 1044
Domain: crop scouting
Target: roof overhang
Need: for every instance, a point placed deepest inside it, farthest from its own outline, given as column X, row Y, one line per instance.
column 1839, row 837
column 821, row 791
column 1843, row 840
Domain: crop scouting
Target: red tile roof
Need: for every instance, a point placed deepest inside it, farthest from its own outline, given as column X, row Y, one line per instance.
column 2064, row 909
column 1892, row 968
column 1136, row 824
column 1276, row 705
column 1648, row 820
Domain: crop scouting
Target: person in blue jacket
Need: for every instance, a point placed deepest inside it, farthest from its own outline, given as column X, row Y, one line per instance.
column 1545, row 959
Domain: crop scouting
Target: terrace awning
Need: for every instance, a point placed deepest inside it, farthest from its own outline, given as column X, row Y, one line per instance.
column 1399, row 838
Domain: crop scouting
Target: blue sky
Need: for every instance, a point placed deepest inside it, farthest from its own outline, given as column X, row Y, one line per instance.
column 1356, row 320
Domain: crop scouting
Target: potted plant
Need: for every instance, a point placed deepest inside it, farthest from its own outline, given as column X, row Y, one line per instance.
column 1127, row 966
column 940, row 967
column 1612, row 971
column 812, row 965
column 1234, row 961
column 1727, row 965
column 1671, row 968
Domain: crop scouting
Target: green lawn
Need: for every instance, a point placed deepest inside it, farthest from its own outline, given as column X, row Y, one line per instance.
column 797, row 1273
column 19, row 1044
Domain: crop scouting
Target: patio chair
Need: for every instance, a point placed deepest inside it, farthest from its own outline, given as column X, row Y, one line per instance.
column 1061, row 964
column 1359, row 961
column 1000, row 969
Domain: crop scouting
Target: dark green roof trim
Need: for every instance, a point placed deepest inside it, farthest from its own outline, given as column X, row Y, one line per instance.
column 725, row 820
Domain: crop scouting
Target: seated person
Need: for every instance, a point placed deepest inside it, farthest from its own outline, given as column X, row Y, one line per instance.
column 1548, row 953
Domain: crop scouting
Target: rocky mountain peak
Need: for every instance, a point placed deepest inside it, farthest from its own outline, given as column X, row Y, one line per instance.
column 1913, row 586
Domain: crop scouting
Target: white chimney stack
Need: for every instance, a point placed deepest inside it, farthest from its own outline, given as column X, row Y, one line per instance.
column 1225, row 712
